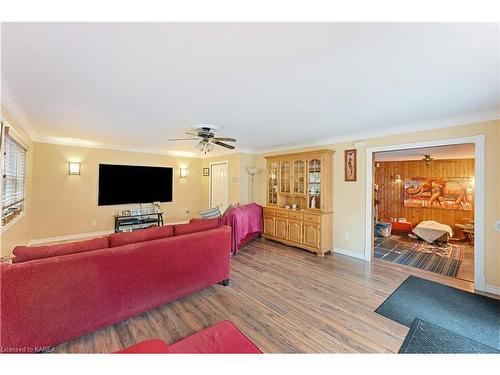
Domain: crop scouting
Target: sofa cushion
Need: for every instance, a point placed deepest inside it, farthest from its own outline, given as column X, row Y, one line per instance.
column 196, row 225
column 149, row 234
column 25, row 253
column 222, row 338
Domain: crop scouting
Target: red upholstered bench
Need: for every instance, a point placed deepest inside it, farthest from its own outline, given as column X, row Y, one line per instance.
column 222, row 338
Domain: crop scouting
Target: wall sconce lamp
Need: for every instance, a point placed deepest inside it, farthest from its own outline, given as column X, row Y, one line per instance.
column 73, row 168
column 183, row 172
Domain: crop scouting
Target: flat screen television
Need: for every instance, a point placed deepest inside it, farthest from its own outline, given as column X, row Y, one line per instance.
column 122, row 184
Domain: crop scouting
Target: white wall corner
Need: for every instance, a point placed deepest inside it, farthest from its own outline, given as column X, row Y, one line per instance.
column 350, row 253
column 10, row 101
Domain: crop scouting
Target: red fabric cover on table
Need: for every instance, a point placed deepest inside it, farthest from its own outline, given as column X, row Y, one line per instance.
column 222, row 338
column 25, row 253
column 48, row 301
column 196, row 226
column 401, row 228
column 149, row 234
column 146, row 347
column 244, row 220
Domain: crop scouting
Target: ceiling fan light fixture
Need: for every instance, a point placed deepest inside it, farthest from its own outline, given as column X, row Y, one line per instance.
column 427, row 159
column 205, row 146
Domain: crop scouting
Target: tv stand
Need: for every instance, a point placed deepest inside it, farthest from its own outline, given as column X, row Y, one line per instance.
column 128, row 223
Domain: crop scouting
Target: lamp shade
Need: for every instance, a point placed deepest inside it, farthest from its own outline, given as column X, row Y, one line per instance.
column 252, row 170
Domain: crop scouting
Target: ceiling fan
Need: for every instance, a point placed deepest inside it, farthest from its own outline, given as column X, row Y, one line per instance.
column 205, row 135
column 427, row 159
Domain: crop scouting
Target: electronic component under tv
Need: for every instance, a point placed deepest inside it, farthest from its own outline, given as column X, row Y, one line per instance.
column 124, row 184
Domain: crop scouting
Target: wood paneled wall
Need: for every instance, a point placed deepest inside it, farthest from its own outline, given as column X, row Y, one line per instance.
column 391, row 195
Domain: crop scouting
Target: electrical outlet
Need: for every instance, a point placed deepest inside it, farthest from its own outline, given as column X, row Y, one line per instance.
column 93, row 223
column 347, row 236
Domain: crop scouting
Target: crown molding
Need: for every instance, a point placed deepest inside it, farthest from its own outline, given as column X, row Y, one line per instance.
column 10, row 101
column 448, row 122
column 142, row 150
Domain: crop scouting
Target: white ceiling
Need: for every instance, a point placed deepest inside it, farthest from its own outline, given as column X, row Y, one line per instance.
column 461, row 151
column 134, row 85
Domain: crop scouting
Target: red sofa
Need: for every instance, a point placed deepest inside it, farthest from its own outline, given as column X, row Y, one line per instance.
column 222, row 338
column 62, row 295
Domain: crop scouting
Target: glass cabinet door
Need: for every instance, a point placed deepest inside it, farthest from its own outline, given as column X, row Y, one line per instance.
column 272, row 194
column 299, row 174
column 314, row 183
column 285, row 171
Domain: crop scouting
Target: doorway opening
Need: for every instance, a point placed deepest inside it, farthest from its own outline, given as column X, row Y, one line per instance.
column 426, row 207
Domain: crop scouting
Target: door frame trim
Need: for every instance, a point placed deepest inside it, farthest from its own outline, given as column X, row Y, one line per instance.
column 226, row 162
column 479, row 166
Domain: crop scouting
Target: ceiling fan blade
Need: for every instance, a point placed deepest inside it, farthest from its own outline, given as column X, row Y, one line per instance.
column 223, row 144
column 224, row 139
column 183, row 139
column 192, row 133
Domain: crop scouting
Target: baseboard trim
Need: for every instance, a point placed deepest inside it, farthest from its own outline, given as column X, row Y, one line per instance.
column 492, row 289
column 79, row 236
column 350, row 253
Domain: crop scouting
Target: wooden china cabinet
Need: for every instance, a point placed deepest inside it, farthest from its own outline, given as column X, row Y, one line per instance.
column 305, row 181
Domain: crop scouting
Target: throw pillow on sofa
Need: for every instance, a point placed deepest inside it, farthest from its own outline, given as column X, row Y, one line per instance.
column 25, row 253
column 211, row 213
column 149, row 234
column 196, row 225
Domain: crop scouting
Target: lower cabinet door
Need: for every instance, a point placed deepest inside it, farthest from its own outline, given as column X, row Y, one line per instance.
column 269, row 225
column 295, row 231
column 312, row 235
column 281, row 228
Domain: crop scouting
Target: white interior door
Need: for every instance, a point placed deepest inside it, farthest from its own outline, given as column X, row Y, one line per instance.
column 219, row 185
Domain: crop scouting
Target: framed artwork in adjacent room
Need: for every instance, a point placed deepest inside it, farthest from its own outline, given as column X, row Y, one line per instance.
column 206, row 171
column 350, row 165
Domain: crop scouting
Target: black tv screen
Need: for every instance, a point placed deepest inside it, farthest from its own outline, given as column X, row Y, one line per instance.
column 122, row 184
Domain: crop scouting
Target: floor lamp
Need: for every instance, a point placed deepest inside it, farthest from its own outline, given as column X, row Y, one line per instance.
column 251, row 171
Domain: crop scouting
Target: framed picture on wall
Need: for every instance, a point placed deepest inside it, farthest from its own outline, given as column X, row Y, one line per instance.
column 206, row 171
column 350, row 165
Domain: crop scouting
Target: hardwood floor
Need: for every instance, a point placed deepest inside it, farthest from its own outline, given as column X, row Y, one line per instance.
column 286, row 300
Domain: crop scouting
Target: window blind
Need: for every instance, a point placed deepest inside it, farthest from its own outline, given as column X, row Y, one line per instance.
column 13, row 178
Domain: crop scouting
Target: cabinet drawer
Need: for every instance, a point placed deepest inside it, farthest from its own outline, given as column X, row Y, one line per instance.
column 312, row 218
column 268, row 212
column 295, row 215
column 281, row 214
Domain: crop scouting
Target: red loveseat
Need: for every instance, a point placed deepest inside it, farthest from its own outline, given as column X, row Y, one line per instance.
column 61, row 295
column 222, row 338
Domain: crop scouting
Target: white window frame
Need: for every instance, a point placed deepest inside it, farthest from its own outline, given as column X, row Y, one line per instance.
column 13, row 134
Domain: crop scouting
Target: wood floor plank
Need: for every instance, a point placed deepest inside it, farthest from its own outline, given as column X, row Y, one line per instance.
column 286, row 300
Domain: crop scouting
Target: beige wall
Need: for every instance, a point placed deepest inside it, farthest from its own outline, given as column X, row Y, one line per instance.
column 19, row 232
column 64, row 204
column 349, row 197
